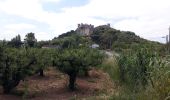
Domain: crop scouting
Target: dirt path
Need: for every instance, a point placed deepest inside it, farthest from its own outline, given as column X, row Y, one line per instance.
column 54, row 86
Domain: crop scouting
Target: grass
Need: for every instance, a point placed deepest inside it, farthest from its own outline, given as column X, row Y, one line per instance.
column 110, row 66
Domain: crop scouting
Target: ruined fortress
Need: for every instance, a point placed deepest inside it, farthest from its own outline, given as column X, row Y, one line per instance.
column 86, row 29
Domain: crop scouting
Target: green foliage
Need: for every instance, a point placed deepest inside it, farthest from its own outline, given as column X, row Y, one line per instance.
column 144, row 74
column 15, row 42
column 71, row 61
column 70, row 64
column 110, row 66
column 73, row 41
column 134, row 68
column 15, row 66
column 139, row 70
column 90, row 58
column 104, row 36
column 109, row 38
column 160, row 76
column 67, row 34
column 42, row 43
column 44, row 59
column 30, row 40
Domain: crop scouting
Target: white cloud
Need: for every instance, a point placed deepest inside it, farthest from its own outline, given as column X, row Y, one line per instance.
column 7, row 35
column 43, row 36
column 30, row 9
column 54, row 1
column 148, row 18
column 19, row 27
column 9, row 31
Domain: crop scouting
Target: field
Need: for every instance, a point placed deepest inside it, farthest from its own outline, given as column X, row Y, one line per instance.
column 54, row 87
column 123, row 66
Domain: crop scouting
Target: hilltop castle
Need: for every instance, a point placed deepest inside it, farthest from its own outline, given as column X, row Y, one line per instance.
column 86, row 29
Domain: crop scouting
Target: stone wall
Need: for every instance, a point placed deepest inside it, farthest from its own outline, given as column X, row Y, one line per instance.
column 85, row 29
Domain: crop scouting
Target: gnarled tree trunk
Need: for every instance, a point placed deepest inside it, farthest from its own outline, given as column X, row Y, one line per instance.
column 72, row 80
column 41, row 72
column 9, row 85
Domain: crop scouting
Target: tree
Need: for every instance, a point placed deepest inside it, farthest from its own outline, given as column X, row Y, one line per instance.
column 30, row 39
column 15, row 66
column 1, row 59
column 73, row 41
column 90, row 58
column 108, row 38
column 16, row 41
column 104, row 36
column 42, row 43
column 43, row 60
column 71, row 61
column 70, row 33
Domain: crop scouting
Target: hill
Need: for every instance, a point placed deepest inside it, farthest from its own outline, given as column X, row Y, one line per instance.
column 112, row 39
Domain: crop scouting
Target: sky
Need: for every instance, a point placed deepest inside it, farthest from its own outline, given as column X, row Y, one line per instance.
column 149, row 19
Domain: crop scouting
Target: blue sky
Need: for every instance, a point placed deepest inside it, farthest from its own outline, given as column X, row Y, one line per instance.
column 56, row 7
column 149, row 19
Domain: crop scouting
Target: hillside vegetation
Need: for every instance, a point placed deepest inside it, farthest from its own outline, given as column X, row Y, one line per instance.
column 124, row 67
column 112, row 39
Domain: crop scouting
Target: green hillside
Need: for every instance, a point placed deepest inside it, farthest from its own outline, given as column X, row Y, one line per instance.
column 109, row 38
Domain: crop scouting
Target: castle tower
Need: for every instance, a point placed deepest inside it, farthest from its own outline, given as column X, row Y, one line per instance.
column 85, row 29
column 108, row 24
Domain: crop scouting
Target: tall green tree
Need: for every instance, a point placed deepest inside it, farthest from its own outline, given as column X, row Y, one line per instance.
column 30, row 39
column 108, row 38
column 16, row 41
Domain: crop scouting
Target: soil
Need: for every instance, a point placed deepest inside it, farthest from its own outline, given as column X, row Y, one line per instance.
column 54, row 87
